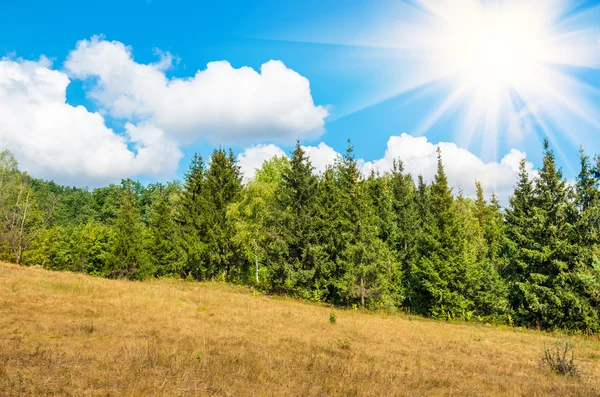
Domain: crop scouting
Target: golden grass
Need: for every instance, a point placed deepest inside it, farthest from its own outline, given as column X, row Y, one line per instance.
column 71, row 334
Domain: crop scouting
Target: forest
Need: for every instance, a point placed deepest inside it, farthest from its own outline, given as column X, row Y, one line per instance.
column 382, row 242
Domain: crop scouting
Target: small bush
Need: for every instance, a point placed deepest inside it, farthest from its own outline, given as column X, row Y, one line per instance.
column 561, row 359
column 332, row 319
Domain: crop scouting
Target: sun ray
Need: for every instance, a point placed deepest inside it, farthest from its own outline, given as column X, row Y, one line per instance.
column 514, row 65
column 451, row 100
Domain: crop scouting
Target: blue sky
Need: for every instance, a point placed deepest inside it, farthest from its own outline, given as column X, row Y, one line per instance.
column 330, row 43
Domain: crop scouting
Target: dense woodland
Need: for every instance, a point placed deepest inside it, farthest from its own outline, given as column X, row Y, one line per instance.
column 378, row 242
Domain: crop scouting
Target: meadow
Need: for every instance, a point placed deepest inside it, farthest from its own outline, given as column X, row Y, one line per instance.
column 71, row 334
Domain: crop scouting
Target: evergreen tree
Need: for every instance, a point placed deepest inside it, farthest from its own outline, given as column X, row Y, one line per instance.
column 587, row 199
column 297, row 204
column 189, row 217
column 546, row 263
column 367, row 271
column 329, row 246
column 405, row 210
column 222, row 187
column 162, row 248
column 444, row 277
column 128, row 257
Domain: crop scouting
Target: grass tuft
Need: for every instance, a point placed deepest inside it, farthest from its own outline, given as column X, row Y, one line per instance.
column 561, row 359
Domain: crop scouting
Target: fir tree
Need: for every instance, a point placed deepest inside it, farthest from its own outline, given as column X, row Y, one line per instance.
column 189, row 216
column 297, row 204
column 128, row 257
column 222, row 187
column 162, row 248
column 444, row 276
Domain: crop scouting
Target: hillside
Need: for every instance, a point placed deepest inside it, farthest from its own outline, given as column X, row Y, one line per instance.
column 71, row 334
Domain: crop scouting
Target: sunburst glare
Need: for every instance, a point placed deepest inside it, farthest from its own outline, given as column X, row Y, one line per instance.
column 508, row 68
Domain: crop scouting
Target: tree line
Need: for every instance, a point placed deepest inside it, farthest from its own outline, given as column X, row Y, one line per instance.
column 381, row 241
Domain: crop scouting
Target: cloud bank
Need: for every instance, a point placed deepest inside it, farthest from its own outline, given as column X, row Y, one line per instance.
column 220, row 103
column 70, row 144
column 419, row 156
column 52, row 139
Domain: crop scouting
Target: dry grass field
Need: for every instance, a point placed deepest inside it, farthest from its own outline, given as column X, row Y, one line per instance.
column 71, row 334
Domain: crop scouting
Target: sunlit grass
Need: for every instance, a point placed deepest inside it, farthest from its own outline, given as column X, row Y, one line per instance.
column 71, row 334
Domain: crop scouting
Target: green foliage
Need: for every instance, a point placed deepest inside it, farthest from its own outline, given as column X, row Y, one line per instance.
column 546, row 256
column 128, row 257
column 374, row 242
column 162, row 246
column 189, row 219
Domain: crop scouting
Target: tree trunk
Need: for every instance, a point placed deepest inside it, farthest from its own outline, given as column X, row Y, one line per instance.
column 256, row 263
column 256, row 260
column 362, row 291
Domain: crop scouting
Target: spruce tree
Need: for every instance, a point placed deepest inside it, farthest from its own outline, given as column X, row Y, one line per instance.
column 367, row 271
column 443, row 277
column 162, row 247
column 329, row 245
column 587, row 199
column 297, row 204
column 190, row 221
column 405, row 210
column 128, row 257
column 222, row 187
column 546, row 263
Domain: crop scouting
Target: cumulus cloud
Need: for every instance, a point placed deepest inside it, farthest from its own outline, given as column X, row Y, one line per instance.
column 54, row 140
column 220, row 103
column 70, row 144
column 420, row 158
column 321, row 156
column 252, row 158
column 462, row 167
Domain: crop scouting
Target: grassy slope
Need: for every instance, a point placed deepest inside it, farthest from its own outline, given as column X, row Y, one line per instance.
column 70, row 334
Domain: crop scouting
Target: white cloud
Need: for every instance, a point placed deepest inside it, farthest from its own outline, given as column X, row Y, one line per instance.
column 420, row 158
column 320, row 156
column 220, row 103
column 462, row 167
column 54, row 140
column 252, row 158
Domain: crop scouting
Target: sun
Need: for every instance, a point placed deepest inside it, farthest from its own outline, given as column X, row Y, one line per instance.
column 491, row 50
column 492, row 72
column 511, row 67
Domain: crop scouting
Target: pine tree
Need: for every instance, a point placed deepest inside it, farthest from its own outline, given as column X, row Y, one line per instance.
column 297, row 205
column 222, row 187
column 190, row 221
column 406, row 207
column 546, row 262
column 444, row 277
column 128, row 257
column 367, row 270
column 162, row 247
